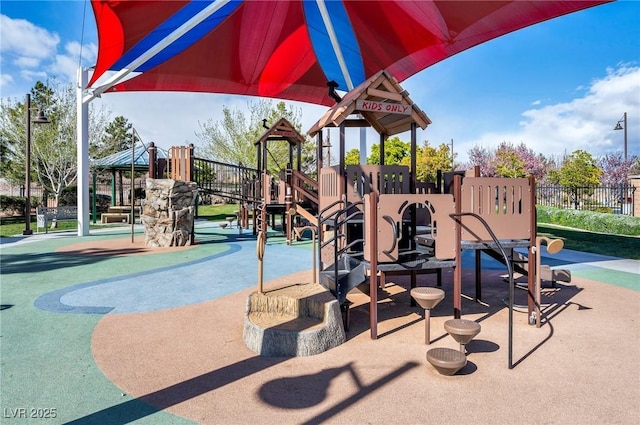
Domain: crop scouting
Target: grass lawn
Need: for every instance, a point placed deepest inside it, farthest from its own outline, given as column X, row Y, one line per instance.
column 597, row 243
column 575, row 239
column 216, row 212
column 12, row 226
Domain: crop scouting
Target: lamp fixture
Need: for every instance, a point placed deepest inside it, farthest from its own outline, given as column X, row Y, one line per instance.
column 622, row 125
column 41, row 118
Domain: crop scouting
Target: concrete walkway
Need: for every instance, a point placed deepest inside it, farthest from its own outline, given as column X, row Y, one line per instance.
column 115, row 335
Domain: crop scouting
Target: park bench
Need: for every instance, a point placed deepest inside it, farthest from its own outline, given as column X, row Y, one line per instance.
column 47, row 215
column 119, row 214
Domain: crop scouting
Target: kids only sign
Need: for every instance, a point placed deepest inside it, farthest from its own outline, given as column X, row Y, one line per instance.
column 387, row 107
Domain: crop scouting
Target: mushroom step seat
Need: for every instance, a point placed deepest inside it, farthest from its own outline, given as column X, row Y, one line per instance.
column 427, row 298
column 448, row 361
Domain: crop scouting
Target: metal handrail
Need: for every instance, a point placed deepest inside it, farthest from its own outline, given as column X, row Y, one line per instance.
column 507, row 262
column 337, row 252
column 389, row 220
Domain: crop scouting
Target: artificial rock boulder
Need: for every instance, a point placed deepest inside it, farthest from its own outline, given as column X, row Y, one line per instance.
column 168, row 212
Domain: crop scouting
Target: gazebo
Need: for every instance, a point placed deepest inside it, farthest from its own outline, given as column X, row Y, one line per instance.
column 134, row 159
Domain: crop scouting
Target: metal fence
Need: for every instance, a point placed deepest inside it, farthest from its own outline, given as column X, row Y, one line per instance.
column 107, row 194
column 616, row 199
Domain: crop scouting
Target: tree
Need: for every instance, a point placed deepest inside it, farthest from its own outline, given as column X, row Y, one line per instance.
column 12, row 142
column 53, row 146
column 579, row 169
column 118, row 136
column 615, row 169
column 507, row 163
column 635, row 168
column 535, row 165
column 394, row 151
column 232, row 139
column 482, row 157
column 5, row 154
column 352, row 157
column 430, row 160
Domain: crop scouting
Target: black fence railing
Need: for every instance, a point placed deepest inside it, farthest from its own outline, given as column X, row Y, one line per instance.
column 234, row 182
column 107, row 194
column 616, row 199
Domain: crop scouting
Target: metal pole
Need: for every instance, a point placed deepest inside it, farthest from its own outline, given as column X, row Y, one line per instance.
column 624, row 117
column 82, row 153
column 94, row 197
column 132, row 216
column 363, row 143
column 452, row 157
column 27, row 165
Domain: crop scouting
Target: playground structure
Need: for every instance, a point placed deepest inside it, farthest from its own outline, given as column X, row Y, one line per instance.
column 375, row 220
column 385, row 221
column 257, row 192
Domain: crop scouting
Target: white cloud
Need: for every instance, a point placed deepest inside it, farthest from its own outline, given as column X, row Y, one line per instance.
column 584, row 123
column 65, row 66
column 28, row 74
column 5, row 80
column 33, row 53
column 88, row 51
column 22, row 38
column 25, row 62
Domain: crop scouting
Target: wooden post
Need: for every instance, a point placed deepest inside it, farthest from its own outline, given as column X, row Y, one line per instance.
column 153, row 157
column 531, row 265
column 457, row 272
column 373, row 252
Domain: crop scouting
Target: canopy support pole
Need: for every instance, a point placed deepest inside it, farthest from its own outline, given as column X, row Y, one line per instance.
column 82, row 152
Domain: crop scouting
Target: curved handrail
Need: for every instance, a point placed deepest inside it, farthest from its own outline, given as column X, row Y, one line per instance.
column 507, row 261
column 331, row 205
column 389, row 220
column 337, row 252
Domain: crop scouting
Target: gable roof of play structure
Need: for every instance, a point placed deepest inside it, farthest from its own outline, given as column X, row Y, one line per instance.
column 292, row 49
column 383, row 104
column 122, row 160
column 282, row 130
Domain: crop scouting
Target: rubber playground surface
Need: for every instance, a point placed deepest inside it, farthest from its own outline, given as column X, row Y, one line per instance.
column 100, row 330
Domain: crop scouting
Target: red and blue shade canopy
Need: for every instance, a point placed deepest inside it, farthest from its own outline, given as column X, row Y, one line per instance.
column 292, row 49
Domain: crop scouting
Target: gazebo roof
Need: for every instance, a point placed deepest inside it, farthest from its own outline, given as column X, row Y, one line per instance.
column 122, row 160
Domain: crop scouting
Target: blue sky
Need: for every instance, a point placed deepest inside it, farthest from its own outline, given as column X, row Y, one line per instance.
column 557, row 86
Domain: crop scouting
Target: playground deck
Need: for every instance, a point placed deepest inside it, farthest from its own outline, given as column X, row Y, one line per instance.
column 157, row 339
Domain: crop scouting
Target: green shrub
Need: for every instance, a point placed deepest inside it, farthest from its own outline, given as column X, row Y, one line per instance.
column 14, row 205
column 69, row 196
column 616, row 224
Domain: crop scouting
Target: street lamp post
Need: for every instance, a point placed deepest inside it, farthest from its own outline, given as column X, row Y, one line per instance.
column 623, row 126
column 451, row 152
column 40, row 119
